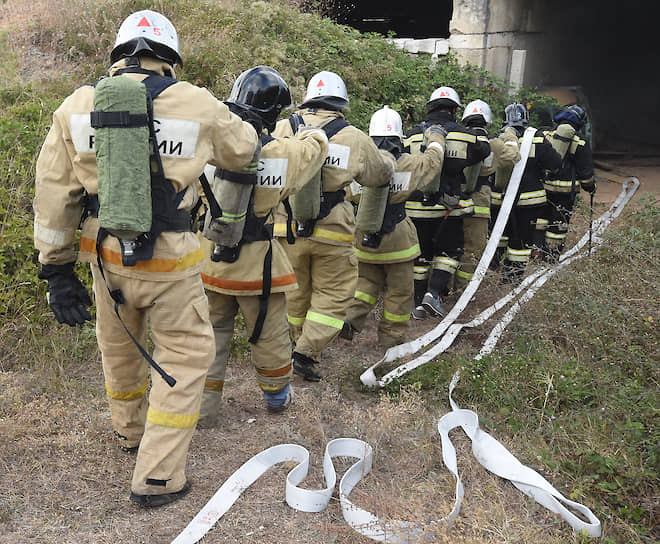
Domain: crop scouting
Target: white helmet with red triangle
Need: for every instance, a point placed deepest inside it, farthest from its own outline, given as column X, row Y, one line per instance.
column 445, row 94
column 477, row 108
column 386, row 122
column 329, row 87
column 148, row 33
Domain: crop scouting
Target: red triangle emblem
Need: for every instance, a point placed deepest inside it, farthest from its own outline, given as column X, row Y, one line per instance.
column 144, row 22
column 476, row 110
column 443, row 93
column 320, row 83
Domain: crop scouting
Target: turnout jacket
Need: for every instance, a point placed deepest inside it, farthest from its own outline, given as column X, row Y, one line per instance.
column 193, row 129
column 542, row 157
column 412, row 172
column 286, row 164
column 577, row 168
column 504, row 154
column 463, row 147
column 352, row 156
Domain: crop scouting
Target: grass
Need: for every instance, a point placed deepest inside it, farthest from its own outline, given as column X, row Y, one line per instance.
column 572, row 388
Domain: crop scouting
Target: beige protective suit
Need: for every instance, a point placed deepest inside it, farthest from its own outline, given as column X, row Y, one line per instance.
column 388, row 269
column 285, row 165
column 324, row 263
column 165, row 292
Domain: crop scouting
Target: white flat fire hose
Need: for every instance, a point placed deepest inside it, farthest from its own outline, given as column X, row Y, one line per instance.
column 487, row 450
column 368, row 377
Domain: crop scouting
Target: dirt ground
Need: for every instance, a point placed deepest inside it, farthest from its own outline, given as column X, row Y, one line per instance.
column 65, row 481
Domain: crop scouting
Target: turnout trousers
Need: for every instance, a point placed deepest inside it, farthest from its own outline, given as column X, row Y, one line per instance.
column 271, row 354
column 395, row 282
column 327, row 276
column 161, row 419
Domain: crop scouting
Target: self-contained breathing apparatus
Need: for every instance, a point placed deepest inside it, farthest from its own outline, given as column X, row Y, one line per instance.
column 311, row 203
column 135, row 202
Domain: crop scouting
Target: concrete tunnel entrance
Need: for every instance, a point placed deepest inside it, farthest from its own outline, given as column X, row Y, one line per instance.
column 607, row 49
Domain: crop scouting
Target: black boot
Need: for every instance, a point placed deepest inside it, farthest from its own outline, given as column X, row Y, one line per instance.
column 306, row 367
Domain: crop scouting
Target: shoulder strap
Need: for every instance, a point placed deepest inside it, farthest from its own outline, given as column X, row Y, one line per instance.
column 156, row 84
column 295, row 120
column 334, row 126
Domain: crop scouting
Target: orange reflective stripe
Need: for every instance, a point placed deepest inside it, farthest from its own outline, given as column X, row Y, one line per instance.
column 274, row 373
column 237, row 285
column 152, row 265
column 213, row 385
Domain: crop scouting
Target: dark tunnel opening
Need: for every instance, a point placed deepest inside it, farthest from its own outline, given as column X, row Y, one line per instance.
column 606, row 48
column 425, row 19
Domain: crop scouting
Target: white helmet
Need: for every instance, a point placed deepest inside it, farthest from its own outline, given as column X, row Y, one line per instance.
column 328, row 87
column 386, row 122
column 147, row 32
column 478, row 108
column 445, row 94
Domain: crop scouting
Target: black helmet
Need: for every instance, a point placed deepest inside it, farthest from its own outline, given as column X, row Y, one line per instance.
column 262, row 90
column 516, row 115
column 574, row 115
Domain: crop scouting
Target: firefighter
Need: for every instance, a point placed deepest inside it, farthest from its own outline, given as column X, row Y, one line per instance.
column 322, row 255
column 438, row 213
column 503, row 156
column 576, row 173
column 522, row 227
column 386, row 256
column 164, row 292
column 255, row 276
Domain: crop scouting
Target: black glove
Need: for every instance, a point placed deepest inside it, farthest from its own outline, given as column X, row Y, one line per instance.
column 590, row 188
column 67, row 297
column 247, row 115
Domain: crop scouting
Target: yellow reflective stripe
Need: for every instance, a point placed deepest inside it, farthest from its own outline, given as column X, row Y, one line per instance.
column 482, row 138
column 129, row 395
column 554, row 235
column 412, row 139
column 461, row 136
column 295, row 320
column 445, row 263
column 532, row 194
column 366, row 297
column 414, row 205
column 227, row 217
column 401, row 254
column 483, row 210
column 464, row 275
column 325, row 320
column 466, row 203
column 559, row 183
column 395, row 317
column 331, row 235
column 175, row 421
column 279, row 229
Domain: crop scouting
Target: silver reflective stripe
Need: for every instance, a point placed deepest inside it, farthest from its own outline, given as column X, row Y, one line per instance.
column 52, row 237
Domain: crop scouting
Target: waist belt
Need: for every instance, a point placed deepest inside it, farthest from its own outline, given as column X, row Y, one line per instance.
column 181, row 221
column 329, row 199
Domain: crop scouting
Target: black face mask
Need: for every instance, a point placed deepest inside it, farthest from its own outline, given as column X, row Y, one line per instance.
column 393, row 144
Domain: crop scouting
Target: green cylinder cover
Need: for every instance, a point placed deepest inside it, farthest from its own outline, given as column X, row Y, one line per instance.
column 306, row 203
column 122, row 158
column 373, row 201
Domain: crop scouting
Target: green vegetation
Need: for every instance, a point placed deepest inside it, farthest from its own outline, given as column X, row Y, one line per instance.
column 576, row 377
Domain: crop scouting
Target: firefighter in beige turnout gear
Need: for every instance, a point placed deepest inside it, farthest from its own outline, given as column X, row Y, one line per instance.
column 257, row 280
column 386, row 257
column 322, row 255
column 164, row 292
column 504, row 154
